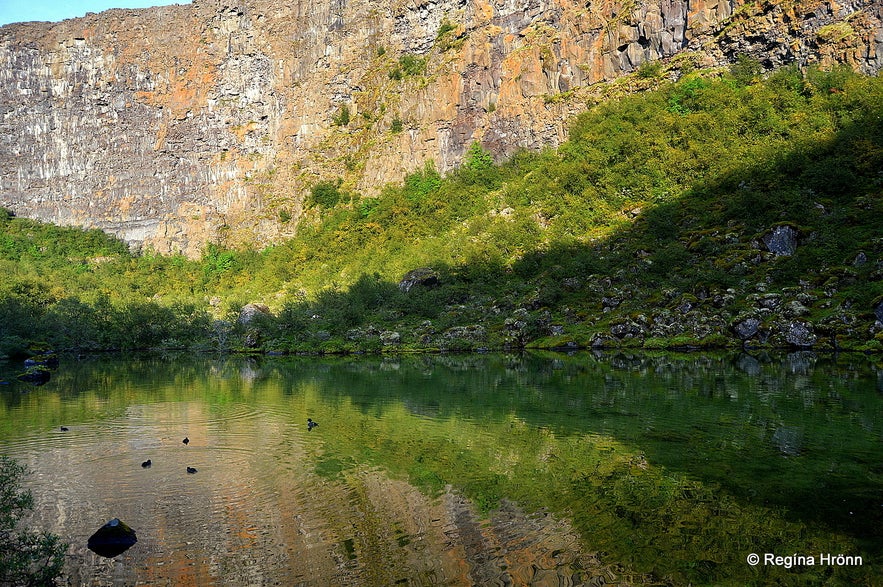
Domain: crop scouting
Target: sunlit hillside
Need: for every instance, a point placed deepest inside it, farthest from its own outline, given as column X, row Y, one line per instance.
column 727, row 208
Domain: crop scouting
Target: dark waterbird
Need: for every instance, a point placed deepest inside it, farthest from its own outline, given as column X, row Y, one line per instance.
column 64, row 428
column 146, row 463
column 186, row 440
column 311, row 424
column 191, row 470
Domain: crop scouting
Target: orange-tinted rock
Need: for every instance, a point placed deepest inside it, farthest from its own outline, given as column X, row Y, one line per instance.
column 209, row 122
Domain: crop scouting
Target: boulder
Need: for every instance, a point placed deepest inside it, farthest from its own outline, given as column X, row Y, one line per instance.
column 38, row 375
column 390, row 338
column 878, row 311
column 112, row 539
column 781, row 241
column 422, row 276
column 800, row 334
column 48, row 360
column 747, row 328
column 463, row 337
column 251, row 311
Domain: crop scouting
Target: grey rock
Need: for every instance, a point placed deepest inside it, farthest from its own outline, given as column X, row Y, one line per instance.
column 770, row 301
column 472, row 332
column 781, row 241
column 794, row 309
column 747, row 328
column 251, row 311
column 878, row 311
column 390, row 338
column 860, row 259
column 422, row 276
column 800, row 334
column 610, row 302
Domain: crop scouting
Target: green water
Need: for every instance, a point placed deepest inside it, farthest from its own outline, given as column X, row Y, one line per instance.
column 478, row 469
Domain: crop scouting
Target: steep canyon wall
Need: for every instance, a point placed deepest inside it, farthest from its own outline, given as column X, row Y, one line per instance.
column 208, row 122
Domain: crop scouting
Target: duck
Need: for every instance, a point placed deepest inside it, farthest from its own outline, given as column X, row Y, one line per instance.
column 146, row 463
column 186, row 440
column 191, row 470
column 311, row 424
column 64, row 428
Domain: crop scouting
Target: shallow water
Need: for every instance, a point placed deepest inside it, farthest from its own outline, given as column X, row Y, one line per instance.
column 458, row 470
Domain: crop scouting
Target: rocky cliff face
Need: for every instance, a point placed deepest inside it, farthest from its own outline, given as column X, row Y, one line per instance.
column 208, row 122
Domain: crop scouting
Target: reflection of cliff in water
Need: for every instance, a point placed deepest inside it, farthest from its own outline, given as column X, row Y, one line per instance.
column 456, row 469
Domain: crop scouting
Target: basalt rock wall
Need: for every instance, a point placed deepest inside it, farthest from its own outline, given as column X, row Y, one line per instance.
column 209, row 122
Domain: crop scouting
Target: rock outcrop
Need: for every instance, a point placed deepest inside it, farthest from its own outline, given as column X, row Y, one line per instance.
column 208, row 122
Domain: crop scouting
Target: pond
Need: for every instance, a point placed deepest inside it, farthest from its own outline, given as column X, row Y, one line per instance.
column 543, row 469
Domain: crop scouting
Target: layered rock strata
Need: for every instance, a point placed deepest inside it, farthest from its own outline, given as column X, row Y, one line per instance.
column 209, row 122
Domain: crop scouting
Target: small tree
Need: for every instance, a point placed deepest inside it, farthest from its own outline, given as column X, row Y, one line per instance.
column 326, row 194
column 343, row 116
column 26, row 557
column 477, row 158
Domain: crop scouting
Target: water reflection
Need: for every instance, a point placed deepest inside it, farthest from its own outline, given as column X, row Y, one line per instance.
column 458, row 470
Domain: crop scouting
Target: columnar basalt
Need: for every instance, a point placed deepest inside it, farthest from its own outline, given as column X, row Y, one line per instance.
column 181, row 125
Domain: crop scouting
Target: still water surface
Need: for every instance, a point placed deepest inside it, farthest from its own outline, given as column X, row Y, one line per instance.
column 459, row 470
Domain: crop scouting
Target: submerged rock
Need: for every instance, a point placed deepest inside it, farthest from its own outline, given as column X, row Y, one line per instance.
column 112, row 539
column 38, row 375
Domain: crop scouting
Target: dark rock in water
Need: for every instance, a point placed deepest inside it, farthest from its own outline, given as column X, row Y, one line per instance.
column 311, row 424
column 191, row 470
column 781, row 241
column 186, row 440
column 36, row 375
column 423, row 276
column 146, row 464
column 112, row 539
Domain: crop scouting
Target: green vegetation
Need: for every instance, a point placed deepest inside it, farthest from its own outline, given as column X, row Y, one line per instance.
column 409, row 66
column 326, row 194
column 26, row 557
column 646, row 228
column 342, row 118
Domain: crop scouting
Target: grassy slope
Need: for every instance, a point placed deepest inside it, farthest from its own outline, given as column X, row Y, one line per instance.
column 644, row 229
